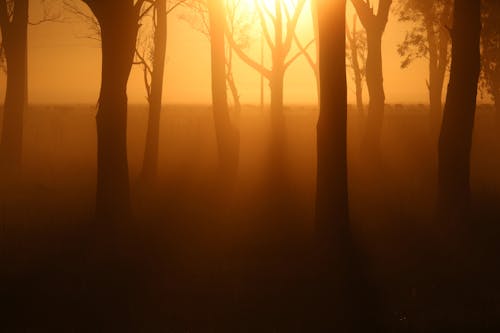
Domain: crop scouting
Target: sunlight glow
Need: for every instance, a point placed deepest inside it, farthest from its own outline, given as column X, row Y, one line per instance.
column 270, row 5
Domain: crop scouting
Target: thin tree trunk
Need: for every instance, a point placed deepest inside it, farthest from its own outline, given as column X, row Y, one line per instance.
column 438, row 61
column 359, row 96
column 358, row 78
column 458, row 118
column 435, row 100
column 227, row 135
column 15, row 39
column 375, row 82
column 234, row 93
column 278, row 127
column 119, row 34
column 315, row 23
column 278, row 132
column 150, row 162
column 497, row 112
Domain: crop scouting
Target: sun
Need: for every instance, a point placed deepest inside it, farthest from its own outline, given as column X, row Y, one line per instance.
column 270, row 5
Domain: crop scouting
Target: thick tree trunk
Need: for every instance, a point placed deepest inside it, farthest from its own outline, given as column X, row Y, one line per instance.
column 227, row 135
column 458, row 119
column 375, row 82
column 151, row 151
column 15, row 39
column 118, row 34
column 332, row 211
column 346, row 302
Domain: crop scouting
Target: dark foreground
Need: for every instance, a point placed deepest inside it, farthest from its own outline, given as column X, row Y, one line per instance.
column 200, row 255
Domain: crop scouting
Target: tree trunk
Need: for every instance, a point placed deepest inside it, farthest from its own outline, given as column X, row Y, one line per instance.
column 151, row 151
column 332, row 211
column 375, row 82
column 458, row 119
column 346, row 302
column 118, row 34
column 15, row 40
column 497, row 112
column 435, row 100
column 315, row 23
column 438, row 61
column 359, row 94
column 358, row 79
column 234, row 93
column 227, row 135
column 278, row 132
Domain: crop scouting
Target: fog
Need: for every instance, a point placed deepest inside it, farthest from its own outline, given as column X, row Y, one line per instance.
column 249, row 166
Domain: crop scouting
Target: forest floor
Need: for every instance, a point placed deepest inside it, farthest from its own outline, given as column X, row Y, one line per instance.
column 201, row 256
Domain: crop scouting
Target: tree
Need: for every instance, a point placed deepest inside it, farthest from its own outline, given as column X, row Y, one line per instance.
column 356, row 55
column 458, row 118
column 154, row 72
column 14, row 26
column 332, row 209
column 312, row 61
column 154, row 69
column 240, row 26
column 430, row 39
column 227, row 136
column 374, row 25
column 150, row 54
column 14, row 22
column 279, row 39
column 118, row 24
column 346, row 297
column 490, row 48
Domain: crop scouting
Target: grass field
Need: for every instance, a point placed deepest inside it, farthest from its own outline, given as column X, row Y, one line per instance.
column 201, row 257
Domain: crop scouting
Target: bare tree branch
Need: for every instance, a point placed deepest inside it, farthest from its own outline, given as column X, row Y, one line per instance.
column 265, row 30
column 302, row 51
column 243, row 56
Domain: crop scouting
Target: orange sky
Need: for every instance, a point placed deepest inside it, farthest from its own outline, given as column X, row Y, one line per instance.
column 64, row 67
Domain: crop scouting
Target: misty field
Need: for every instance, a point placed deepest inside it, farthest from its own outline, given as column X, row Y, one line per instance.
column 200, row 253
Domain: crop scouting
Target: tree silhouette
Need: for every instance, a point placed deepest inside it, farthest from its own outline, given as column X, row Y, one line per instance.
column 490, row 48
column 279, row 38
column 150, row 54
column 152, row 58
column 458, row 118
column 430, row 39
column 356, row 40
column 240, row 26
column 332, row 209
column 346, row 295
column 118, row 23
column 374, row 24
column 227, row 135
column 14, row 26
column 312, row 61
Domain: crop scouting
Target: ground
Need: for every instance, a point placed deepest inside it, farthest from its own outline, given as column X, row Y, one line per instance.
column 199, row 255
